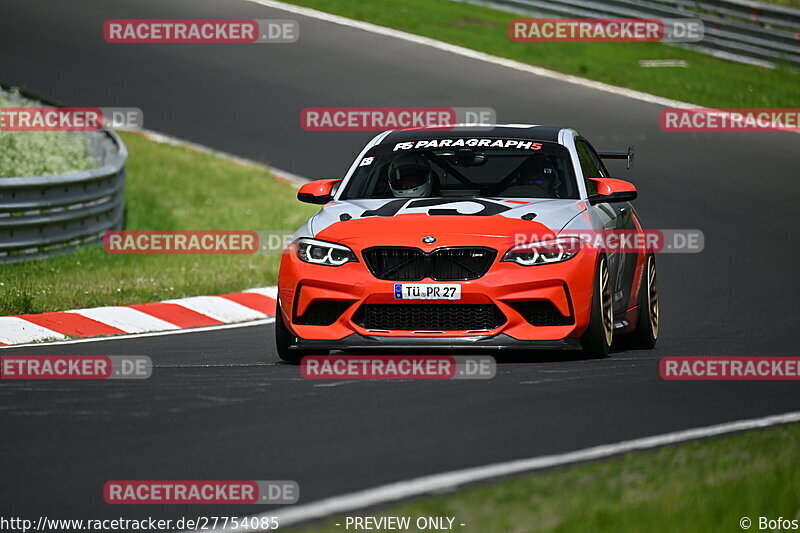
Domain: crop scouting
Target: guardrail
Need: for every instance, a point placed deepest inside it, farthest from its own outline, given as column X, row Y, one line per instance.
column 44, row 215
column 738, row 30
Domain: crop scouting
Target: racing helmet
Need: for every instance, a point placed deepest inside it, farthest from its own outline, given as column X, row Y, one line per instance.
column 539, row 171
column 411, row 176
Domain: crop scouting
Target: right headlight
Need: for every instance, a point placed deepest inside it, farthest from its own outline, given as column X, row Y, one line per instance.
column 324, row 253
column 544, row 252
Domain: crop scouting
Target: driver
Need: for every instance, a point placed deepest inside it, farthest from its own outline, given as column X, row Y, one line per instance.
column 411, row 176
column 539, row 172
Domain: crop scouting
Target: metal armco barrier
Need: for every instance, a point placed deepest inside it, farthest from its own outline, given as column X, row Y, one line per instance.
column 738, row 30
column 44, row 215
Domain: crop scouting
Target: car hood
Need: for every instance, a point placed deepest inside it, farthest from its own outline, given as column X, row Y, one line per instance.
column 451, row 221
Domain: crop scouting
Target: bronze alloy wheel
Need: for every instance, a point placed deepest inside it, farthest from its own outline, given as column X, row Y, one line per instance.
column 652, row 296
column 606, row 302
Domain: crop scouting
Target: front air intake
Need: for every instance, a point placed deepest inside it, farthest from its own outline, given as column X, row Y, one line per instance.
column 429, row 317
column 541, row 313
column 322, row 313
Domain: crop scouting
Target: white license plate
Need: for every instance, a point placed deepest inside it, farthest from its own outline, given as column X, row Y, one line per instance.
column 426, row 291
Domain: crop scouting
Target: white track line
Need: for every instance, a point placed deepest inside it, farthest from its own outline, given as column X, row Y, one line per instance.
column 142, row 335
column 473, row 54
column 451, row 480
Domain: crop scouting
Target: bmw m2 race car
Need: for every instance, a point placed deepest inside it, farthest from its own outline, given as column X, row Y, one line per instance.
column 468, row 238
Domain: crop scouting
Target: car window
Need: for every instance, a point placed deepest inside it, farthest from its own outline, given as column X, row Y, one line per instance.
column 466, row 168
column 590, row 165
column 597, row 161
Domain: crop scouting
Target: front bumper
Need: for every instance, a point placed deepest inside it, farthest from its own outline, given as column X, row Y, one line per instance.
column 568, row 286
column 356, row 341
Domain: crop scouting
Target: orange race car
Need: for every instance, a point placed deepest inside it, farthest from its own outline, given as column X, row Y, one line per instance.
column 469, row 238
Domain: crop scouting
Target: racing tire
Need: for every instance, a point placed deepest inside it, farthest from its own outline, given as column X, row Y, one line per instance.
column 645, row 335
column 598, row 337
column 283, row 339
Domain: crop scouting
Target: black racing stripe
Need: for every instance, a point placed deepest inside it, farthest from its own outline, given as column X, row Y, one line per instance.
column 537, row 133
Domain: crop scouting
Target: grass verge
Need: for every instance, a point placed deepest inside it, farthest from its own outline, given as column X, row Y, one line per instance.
column 168, row 188
column 788, row 3
column 706, row 81
column 701, row 486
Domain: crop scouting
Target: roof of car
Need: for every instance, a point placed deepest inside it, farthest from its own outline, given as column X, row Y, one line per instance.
column 516, row 131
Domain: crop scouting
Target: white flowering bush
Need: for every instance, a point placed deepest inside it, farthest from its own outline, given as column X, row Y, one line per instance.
column 38, row 153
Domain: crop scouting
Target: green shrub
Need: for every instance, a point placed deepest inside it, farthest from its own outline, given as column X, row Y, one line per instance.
column 37, row 153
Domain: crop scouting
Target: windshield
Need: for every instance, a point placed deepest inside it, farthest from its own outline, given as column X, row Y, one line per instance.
column 466, row 168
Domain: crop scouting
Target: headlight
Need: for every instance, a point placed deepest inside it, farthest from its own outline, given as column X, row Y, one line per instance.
column 324, row 253
column 544, row 252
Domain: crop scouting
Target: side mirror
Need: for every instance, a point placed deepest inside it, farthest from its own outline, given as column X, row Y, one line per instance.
column 318, row 192
column 613, row 190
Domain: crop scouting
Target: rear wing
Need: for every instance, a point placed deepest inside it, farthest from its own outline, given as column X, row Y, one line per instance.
column 611, row 154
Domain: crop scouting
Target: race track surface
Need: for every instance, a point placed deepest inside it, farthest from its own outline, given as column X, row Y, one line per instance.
column 220, row 406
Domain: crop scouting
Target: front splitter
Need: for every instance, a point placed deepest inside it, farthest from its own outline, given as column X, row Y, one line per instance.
column 500, row 341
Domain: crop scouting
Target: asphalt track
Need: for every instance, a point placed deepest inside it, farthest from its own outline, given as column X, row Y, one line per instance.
column 220, row 406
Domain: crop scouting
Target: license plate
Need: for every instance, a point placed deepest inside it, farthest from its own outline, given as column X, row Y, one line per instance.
column 426, row 291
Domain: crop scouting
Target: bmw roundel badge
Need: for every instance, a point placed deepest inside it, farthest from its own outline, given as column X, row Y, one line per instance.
column 429, row 240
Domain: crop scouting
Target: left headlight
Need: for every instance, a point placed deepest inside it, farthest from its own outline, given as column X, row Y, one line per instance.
column 324, row 253
column 544, row 252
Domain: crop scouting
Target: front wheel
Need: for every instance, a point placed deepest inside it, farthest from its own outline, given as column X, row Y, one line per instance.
column 283, row 339
column 597, row 339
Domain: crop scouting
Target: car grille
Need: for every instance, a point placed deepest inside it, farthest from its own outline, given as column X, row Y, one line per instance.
column 443, row 264
column 429, row 317
column 541, row 313
column 322, row 313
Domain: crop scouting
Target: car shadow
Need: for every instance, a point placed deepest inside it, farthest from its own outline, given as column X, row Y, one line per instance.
column 501, row 356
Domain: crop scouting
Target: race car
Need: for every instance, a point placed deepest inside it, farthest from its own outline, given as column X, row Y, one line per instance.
column 468, row 238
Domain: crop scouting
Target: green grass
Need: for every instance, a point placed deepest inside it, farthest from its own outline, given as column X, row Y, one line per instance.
column 702, row 487
column 168, row 188
column 707, row 81
column 39, row 153
column 789, row 3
